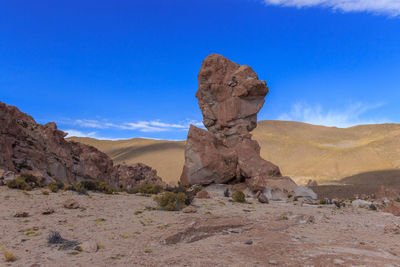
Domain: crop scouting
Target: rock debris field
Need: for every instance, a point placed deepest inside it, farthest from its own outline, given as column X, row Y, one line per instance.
column 124, row 230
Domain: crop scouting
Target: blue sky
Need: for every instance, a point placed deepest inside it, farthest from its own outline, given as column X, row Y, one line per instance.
column 124, row 69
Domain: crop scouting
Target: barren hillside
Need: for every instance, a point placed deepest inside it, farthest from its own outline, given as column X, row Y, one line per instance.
column 301, row 150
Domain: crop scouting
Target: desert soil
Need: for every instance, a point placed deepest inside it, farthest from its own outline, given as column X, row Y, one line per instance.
column 220, row 233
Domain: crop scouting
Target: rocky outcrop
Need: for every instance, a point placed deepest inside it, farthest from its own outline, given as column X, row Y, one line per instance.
column 230, row 96
column 41, row 150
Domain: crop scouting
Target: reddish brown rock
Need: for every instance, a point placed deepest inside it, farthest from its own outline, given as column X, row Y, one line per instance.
column 71, row 204
column 393, row 207
column 130, row 176
column 392, row 229
column 41, row 150
column 312, row 183
column 203, row 194
column 230, row 96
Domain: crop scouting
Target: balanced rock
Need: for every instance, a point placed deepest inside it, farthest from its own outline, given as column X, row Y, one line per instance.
column 42, row 151
column 230, row 96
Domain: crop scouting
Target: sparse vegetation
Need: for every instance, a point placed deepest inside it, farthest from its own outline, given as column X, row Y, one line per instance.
column 24, row 182
column 46, row 192
column 239, row 196
column 171, row 201
column 226, row 192
column 9, row 256
column 55, row 186
column 90, row 185
column 55, row 238
column 283, row 218
column 322, row 201
column 147, row 250
column 147, row 189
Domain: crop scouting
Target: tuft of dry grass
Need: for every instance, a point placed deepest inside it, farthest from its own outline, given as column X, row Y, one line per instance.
column 9, row 256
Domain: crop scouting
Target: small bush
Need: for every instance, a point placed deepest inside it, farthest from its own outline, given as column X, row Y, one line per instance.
column 239, row 196
column 283, row 218
column 322, row 201
column 226, row 192
column 90, row 185
column 55, row 238
column 148, row 189
column 9, row 256
column 171, row 201
column 46, row 192
column 55, row 186
column 24, row 182
column 398, row 199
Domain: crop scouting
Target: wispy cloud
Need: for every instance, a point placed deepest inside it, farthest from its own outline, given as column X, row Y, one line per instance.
column 77, row 133
column 153, row 126
column 343, row 118
column 385, row 7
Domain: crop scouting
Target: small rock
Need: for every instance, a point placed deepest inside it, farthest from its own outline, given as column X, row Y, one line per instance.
column 48, row 211
column 71, row 204
column 203, row 194
column 273, row 262
column 189, row 209
column 392, row 229
column 359, row 203
column 21, row 214
column 262, row 198
column 249, row 242
column 338, row 261
column 312, row 183
column 89, row 246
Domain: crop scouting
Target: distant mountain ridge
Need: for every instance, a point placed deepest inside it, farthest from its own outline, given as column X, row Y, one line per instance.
column 302, row 151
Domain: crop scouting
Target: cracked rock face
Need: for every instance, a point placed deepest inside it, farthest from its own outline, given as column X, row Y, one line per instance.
column 41, row 150
column 230, row 96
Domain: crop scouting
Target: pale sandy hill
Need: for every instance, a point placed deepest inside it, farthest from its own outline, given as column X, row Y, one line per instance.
column 301, row 150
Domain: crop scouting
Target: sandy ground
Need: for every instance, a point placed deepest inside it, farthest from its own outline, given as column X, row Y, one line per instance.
column 277, row 234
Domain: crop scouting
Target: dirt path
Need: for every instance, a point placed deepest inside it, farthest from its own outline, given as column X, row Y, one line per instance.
column 220, row 233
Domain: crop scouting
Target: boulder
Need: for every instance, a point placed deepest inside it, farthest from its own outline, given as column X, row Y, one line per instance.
column 203, row 194
column 359, row 203
column 229, row 96
column 393, row 207
column 261, row 197
column 312, row 183
column 6, row 177
column 392, row 229
column 304, row 193
column 41, row 150
column 71, row 204
column 89, row 246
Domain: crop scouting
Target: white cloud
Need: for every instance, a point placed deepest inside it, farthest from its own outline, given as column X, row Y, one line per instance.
column 142, row 126
column 343, row 118
column 386, row 7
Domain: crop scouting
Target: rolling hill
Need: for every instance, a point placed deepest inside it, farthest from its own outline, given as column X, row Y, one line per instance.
column 302, row 151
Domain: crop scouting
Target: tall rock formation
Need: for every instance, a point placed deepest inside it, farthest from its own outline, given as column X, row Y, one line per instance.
column 41, row 150
column 230, row 96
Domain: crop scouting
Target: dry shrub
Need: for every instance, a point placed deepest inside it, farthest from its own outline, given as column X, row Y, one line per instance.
column 171, row 201
column 9, row 256
column 239, row 196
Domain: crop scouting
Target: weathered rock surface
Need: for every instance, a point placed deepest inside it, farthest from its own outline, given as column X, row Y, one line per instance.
column 41, row 150
column 229, row 97
column 393, row 207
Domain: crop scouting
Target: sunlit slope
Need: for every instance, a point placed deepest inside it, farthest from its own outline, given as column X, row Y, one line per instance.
column 325, row 153
column 167, row 157
column 302, row 151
